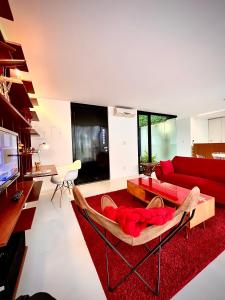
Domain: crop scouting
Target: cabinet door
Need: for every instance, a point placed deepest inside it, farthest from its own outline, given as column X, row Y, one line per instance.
column 215, row 130
column 223, row 130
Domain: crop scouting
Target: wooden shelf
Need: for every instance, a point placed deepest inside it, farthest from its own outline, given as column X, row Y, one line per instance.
column 8, row 108
column 5, row 11
column 18, row 54
column 10, row 211
column 34, row 116
column 7, row 46
column 25, row 219
column 35, row 192
column 24, row 154
column 18, row 96
column 34, row 101
column 34, row 132
column 6, row 50
column 13, row 63
column 26, row 113
column 28, row 86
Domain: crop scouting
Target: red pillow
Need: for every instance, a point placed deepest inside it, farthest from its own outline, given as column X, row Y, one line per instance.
column 167, row 167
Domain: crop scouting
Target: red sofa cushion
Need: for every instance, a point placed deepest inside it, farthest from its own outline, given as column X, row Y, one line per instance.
column 166, row 167
column 186, row 181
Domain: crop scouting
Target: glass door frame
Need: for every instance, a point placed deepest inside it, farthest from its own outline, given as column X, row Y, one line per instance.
column 148, row 114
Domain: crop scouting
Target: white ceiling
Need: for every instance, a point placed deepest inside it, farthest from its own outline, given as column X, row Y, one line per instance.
column 161, row 56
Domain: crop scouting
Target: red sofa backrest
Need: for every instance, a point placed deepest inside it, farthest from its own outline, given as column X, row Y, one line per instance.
column 213, row 169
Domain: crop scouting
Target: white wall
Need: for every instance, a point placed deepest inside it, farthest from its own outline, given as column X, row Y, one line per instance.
column 123, row 145
column 189, row 130
column 199, row 130
column 55, row 129
column 216, row 130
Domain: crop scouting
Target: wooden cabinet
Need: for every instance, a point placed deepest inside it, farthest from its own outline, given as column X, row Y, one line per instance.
column 217, row 130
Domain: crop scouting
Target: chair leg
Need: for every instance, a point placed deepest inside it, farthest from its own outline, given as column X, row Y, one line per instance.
column 159, row 265
column 68, row 186
column 107, row 264
column 60, row 200
column 55, row 192
column 203, row 224
column 133, row 268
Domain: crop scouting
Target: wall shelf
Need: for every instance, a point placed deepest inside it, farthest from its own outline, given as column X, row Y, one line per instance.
column 8, row 108
column 10, row 211
column 23, row 154
column 34, row 116
column 7, row 46
column 19, row 97
column 28, row 86
column 34, row 101
column 18, row 54
column 13, row 63
column 5, row 11
column 35, row 192
column 34, row 132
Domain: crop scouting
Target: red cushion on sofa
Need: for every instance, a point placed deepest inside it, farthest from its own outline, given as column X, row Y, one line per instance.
column 167, row 167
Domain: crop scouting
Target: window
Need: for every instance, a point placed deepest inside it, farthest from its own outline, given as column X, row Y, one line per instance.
column 156, row 137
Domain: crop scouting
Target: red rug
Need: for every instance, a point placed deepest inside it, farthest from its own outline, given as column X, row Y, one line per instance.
column 181, row 259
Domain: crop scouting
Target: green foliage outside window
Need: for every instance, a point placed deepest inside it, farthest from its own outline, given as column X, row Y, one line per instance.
column 143, row 120
column 144, row 158
column 158, row 119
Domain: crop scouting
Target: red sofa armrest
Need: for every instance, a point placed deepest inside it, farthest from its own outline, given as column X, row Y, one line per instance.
column 158, row 172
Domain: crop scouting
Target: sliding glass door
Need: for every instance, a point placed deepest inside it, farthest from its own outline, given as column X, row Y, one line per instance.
column 156, row 137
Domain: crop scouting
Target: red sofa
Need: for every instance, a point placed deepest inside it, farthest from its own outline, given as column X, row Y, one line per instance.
column 207, row 174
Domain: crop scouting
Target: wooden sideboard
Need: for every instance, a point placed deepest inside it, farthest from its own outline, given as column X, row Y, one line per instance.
column 206, row 149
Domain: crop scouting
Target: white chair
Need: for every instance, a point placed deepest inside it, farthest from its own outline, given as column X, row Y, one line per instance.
column 65, row 178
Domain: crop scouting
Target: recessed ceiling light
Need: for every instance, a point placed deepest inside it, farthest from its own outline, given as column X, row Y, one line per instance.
column 211, row 112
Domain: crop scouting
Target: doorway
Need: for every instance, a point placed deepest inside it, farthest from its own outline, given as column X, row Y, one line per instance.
column 90, row 141
column 156, row 137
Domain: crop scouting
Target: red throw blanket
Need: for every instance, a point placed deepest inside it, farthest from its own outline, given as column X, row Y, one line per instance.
column 134, row 220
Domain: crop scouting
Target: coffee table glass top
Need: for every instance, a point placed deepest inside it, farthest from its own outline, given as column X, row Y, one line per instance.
column 171, row 192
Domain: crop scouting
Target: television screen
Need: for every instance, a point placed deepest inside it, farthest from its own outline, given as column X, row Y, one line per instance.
column 9, row 166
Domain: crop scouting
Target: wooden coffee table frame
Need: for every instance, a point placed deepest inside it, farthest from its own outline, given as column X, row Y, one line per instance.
column 204, row 210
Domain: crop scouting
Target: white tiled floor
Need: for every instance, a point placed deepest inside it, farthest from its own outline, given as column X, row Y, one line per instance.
column 58, row 261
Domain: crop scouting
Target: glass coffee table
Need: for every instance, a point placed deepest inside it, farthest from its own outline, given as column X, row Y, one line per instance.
column 145, row 188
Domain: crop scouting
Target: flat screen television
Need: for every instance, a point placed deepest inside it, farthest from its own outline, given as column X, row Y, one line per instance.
column 9, row 160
